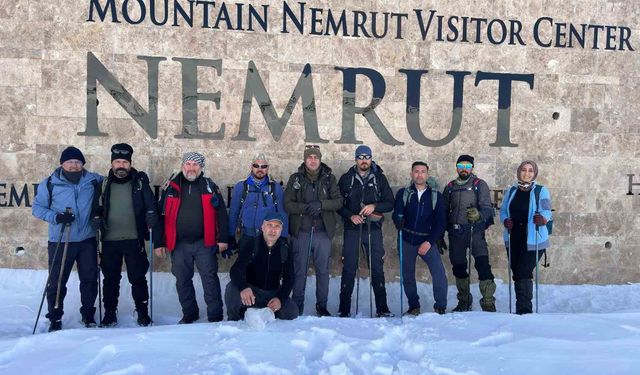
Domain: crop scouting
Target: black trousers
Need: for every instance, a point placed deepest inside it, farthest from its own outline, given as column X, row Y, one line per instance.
column 135, row 259
column 236, row 310
column 84, row 254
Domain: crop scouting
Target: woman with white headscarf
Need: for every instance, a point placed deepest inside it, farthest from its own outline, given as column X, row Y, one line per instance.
column 525, row 211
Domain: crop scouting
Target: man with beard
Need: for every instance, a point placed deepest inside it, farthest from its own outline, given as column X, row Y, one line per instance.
column 419, row 213
column 195, row 229
column 127, row 209
column 312, row 197
column 252, row 199
column 367, row 195
column 65, row 201
column 469, row 210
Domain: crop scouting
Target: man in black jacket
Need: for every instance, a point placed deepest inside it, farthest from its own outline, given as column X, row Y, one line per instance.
column 126, row 209
column 366, row 195
column 257, row 273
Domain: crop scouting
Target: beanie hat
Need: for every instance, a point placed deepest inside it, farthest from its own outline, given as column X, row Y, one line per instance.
column 121, row 151
column 312, row 150
column 71, row 153
column 467, row 158
column 362, row 149
column 260, row 156
column 193, row 156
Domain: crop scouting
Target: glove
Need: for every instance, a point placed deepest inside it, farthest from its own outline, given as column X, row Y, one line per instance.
column 227, row 254
column 65, row 218
column 473, row 215
column 313, row 208
column 442, row 246
column 399, row 224
column 539, row 220
column 151, row 219
column 232, row 244
column 96, row 222
column 508, row 223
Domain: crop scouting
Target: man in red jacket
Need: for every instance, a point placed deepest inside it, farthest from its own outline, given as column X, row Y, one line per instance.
column 195, row 218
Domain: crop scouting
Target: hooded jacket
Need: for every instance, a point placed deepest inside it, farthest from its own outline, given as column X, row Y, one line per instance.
column 328, row 195
column 79, row 197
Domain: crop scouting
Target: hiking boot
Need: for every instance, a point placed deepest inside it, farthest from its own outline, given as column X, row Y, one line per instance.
column 322, row 311
column 439, row 310
column 188, row 319
column 524, row 295
column 465, row 299
column 55, row 325
column 344, row 314
column 89, row 322
column 385, row 314
column 214, row 319
column 487, row 289
column 143, row 319
column 413, row 311
column 110, row 319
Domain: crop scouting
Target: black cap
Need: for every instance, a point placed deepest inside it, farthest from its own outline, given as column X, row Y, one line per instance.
column 71, row 153
column 467, row 158
column 121, row 151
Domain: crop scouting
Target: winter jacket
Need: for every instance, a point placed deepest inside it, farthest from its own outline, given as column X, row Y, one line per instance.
column 457, row 198
column 421, row 221
column 214, row 212
column 263, row 268
column 143, row 202
column 358, row 193
column 544, row 210
column 80, row 197
column 328, row 194
column 258, row 201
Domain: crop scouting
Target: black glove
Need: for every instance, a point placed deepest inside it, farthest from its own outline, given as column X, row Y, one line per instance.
column 508, row 223
column 227, row 254
column 313, row 208
column 399, row 224
column 442, row 246
column 151, row 219
column 65, row 218
column 232, row 243
column 96, row 222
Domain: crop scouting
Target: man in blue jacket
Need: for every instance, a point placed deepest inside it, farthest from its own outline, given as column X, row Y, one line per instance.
column 70, row 186
column 419, row 213
column 252, row 199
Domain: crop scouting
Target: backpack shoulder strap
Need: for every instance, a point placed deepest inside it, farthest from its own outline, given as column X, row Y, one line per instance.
column 536, row 190
column 434, row 199
column 50, row 190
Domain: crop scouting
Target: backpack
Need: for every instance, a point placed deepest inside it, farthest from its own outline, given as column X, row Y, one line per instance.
column 271, row 192
column 476, row 183
column 433, row 184
column 536, row 191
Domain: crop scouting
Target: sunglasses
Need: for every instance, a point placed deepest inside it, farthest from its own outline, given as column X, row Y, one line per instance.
column 363, row 157
column 120, row 152
column 464, row 166
column 260, row 166
column 312, row 146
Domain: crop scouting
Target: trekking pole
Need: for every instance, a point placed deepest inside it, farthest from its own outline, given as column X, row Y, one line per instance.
column 469, row 266
column 306, row 268
column 46, row 285
column 358, row 269
column 370, row 273
column 509, row 267
column 400, row 248
column 537, row 257
column 64, row 258
column 151, row 274
column 98, row 248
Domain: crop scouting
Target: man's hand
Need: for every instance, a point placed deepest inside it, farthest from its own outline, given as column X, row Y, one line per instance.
column 222, row 247
column 151, row 219
column 508, row 223
column 274, row 304
column 473, row 215
column 399, row 224
column 539, row 220
column 247, row 297
column 424, row 247
column 357, row 219
column 160, row 252
column 367, row 210
column 96, row 223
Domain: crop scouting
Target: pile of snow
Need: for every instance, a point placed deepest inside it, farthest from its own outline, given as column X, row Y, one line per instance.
column 581, row 329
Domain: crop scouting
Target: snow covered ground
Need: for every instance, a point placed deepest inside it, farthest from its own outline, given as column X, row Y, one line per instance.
column 580, row 330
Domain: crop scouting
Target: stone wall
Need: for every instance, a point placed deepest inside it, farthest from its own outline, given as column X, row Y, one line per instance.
column 579, row 119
